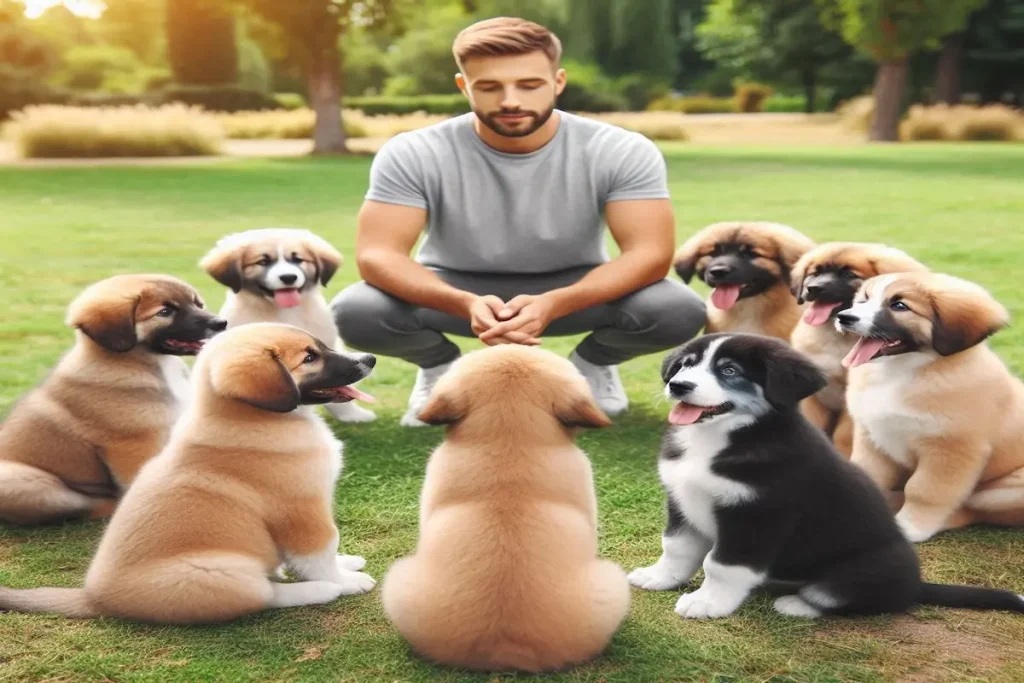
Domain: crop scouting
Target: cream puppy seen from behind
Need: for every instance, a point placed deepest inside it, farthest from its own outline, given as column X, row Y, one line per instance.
column 277, row 275
column 245, row 483
column 506, row 573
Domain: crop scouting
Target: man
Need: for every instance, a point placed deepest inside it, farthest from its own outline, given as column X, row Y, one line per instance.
column 512, row 196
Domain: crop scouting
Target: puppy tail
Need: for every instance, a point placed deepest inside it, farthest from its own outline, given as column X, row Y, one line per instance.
column 970, row 597
column 71, row 602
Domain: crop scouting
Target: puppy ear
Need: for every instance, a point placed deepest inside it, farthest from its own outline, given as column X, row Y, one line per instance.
column 790, row 376
column 891, row 260
column 265, row 383
column 963, row 320
column 685, row 260
column 796, row 278
column 107, row 320
column 581, row 411
column 441, row 409
column 328, row 259
column 791, row 246
column 222, row 264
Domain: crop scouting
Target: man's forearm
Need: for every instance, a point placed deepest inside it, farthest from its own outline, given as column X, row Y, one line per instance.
column 402, row 277
column 610, row 281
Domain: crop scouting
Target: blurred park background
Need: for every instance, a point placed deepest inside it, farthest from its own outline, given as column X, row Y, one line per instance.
column 192, row 77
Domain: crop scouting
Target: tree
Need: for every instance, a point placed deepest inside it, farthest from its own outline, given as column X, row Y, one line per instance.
column 890, row 31
column 624, row 36
column 23, row 53
column 310, row 32
column 994, row 52
column 138, row 25
column 202, row 43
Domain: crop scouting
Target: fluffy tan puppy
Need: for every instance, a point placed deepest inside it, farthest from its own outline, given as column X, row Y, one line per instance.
column 933, row 405
column 506, row 573
column 71, row 446
column 747, row 265
column 827, row 278
column 245, row 482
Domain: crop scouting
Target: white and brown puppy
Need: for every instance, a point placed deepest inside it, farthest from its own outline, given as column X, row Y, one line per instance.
column 277, row 275
column 71, row 446
column 747, row 265
column 245, row 482
column 934, row 406
column 827, row 278
column 506, row 573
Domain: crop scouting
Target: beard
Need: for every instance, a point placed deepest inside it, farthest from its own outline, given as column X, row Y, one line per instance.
column 531, row 123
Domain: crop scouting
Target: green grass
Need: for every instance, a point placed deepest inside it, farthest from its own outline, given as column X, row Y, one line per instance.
column 957, row 207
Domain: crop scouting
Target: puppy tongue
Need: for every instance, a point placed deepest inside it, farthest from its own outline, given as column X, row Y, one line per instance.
column 725, row 296
column 356, row 394
column 286, row 298
column 818, row 312
column 863, row 351
column 685, row 414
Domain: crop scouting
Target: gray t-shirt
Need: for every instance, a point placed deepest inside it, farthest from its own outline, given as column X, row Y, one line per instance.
column 493, row 212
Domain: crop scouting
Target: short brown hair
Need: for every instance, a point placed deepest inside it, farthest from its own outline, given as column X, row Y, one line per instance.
column 505, row 36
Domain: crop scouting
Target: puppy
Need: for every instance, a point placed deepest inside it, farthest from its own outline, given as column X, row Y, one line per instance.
column 71, row 446
column 506, row 573
column 277, row 275
column 934, row 407
column 827, row 278
column 747, row 264
column 245, row 482
column 757, row 494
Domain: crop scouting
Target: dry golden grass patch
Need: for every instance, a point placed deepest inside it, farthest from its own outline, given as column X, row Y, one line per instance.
column 298, row 123
column 656, row 125
column 173, row 130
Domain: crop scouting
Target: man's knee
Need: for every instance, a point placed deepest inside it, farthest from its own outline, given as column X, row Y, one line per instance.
column 672, row 312
column 359, row 313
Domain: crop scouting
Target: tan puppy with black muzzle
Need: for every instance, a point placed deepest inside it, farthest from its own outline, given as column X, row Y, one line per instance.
column 245, row 483
column 826, row 279
column 71, row 446
column 506, row 573
column 277, row 275
column 933, row 405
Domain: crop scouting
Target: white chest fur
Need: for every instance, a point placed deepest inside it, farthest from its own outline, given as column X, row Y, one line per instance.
column 878, row 404
column 177, row 374
column 336, row 447
column 694, row 488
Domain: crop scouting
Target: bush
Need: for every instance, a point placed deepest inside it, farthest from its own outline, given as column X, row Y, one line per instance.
column 228, row 98
column 785, row 104
column 290, row 100
column 101, row 67
column 653, row 125
column 52, row 131
column 699, row 104
column 430, row 104
column 925, row 123
column 20, row 88
column 639, row 90
column 856, row 113
column 962, row 122
column 750, row 97
column 295, row 124
column 576, row 97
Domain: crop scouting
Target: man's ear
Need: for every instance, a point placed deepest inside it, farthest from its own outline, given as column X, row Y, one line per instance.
column 460, row 83
column 560, row 82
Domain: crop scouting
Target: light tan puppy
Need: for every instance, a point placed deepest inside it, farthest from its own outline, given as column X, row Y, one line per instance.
column 277, row 275
column 827, row 278
column 72, row 445
column 747, row 265
column 245, row 483
column 933, row 405
column 506, row 573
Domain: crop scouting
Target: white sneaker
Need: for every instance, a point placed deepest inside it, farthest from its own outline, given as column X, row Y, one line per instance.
column 425, row 381
column 605, row 385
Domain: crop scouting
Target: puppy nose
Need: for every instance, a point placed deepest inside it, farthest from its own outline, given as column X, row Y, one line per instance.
column 681, row 388
column 289, row 278
column 368, row 360
column 813, row 290
column 218, row 324
column 719, row 271
column 847, row 319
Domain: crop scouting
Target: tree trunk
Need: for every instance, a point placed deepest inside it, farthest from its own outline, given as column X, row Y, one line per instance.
column 947, row 76
column 810, row 90
column 890, row 82
column 324, row 82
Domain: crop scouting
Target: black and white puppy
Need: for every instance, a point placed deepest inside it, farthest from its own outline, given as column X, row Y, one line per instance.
column 756, row 494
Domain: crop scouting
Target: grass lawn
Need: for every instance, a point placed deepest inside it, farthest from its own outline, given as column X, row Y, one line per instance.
column 958, row 208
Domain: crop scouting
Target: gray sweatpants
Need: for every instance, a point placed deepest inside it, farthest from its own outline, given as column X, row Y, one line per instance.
column 652, row 319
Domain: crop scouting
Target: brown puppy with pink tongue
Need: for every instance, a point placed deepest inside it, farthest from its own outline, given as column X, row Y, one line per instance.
column 747, row 265
column 935, row 409
column 826, row 279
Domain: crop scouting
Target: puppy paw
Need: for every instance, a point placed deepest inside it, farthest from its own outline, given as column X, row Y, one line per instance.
column 912, row 532
column 653, row 578
column 701, row 604
column 794, row 606
column 350, row 563
column 355, row 583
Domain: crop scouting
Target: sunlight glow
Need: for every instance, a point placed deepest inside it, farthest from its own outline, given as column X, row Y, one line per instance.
column 83, row 8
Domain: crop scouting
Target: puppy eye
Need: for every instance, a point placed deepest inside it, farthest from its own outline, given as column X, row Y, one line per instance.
column 295, row 258
column 310, row 358
column 899, row 306
column 166, row 312
column 728, row 371
column 848, row 274
column 263, row 261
